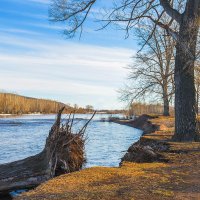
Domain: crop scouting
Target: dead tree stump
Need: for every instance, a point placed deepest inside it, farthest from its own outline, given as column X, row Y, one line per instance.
column 63, row 153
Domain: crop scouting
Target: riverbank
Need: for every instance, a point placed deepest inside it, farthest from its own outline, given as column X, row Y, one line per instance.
column 142, row 122
column 8, row 115
column 174, row 175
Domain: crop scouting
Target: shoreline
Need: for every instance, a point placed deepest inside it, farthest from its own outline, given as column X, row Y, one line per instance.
column 39, row 114
column 173, row 172
column 142, row 123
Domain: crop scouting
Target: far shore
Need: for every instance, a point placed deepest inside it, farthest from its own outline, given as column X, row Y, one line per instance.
column 8, row 115
column 38, row 114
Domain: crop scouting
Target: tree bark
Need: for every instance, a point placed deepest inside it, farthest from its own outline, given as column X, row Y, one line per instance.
column 197, row 99
column 63, row 153
column 185, row 98
column 166, row 107
column 165, row 99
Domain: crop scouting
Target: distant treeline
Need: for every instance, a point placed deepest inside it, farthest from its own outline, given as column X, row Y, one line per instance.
column 143, row 108
column 17, row 104
column 112, row 111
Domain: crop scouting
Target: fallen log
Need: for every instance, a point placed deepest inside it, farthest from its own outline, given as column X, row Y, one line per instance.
column 63, row 153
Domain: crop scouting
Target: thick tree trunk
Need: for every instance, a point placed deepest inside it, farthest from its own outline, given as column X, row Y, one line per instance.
column 197, row 100
column 166, row 107
column 24, row 174
column 63, row 153
column 165, row 99
column 185, row 98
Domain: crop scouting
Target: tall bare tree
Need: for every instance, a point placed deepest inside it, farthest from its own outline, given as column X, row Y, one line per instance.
column 153, row 69
column 197, row 86
column 131, row 13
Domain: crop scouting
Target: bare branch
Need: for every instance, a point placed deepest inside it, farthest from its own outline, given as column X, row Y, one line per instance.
column 173, row 13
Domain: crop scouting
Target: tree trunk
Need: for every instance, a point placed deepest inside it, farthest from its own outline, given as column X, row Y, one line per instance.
column 63, row 153
column 185, row 98
column 197, row 100
column 165, row 99
column 166, row 107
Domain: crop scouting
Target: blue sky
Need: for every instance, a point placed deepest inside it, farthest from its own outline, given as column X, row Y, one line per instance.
column 37, row 60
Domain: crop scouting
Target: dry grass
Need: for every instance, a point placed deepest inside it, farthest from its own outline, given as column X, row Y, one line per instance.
column 178, row 179
column 98, row 183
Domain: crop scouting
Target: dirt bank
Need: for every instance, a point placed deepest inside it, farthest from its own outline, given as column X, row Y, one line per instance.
column 175, row 175
column 142, row 122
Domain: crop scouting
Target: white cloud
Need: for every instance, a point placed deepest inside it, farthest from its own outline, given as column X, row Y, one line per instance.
column 34, row 1
column 26, row 14
column 21, row 31
column 48, row 26
column 58, row 67
column 40, row 1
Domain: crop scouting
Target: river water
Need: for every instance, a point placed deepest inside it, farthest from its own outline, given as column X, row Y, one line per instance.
column 24, row 136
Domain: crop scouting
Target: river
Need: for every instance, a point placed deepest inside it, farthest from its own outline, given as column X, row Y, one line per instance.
column 25, row 135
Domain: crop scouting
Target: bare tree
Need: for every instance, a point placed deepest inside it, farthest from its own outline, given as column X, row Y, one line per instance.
column 197, row 86
column 153, row 69
column 130, row 13
column 138, row 108
column 89, row 108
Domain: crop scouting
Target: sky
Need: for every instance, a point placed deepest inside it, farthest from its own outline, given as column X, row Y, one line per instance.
column 37, row 60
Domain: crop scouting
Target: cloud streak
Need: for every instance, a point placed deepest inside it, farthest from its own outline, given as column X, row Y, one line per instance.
column 34, row 62
column 40, row 1
column 20, row 31
column 63, row 67
column 45, row 2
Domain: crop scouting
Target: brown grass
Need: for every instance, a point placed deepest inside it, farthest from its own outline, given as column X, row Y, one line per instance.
column 178, row 179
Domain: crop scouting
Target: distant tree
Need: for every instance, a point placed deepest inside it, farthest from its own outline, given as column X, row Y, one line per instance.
column 153, row 69
column 130, row 13
column 138, row 108
column 89, row 108
column 76, row 106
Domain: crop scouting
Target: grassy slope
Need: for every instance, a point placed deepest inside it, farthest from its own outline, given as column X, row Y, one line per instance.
column 177, row 179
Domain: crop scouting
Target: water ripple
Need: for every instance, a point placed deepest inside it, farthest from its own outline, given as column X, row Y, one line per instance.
column 25, row 136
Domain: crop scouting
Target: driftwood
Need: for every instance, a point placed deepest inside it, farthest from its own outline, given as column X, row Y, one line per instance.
column 63, row 153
